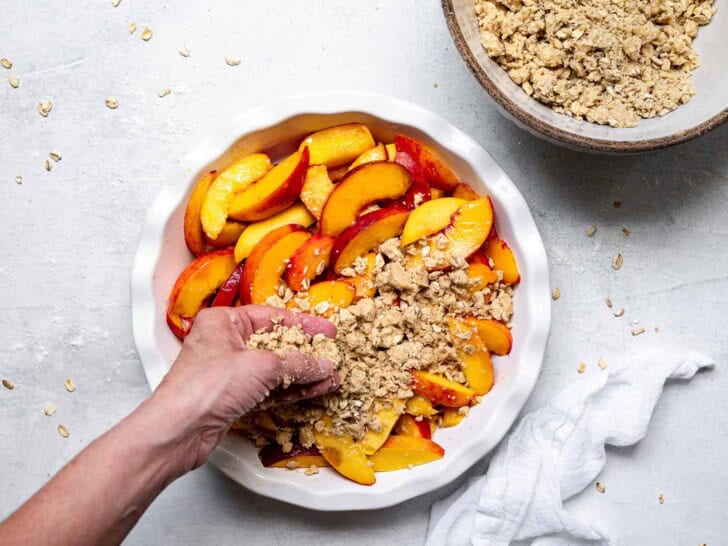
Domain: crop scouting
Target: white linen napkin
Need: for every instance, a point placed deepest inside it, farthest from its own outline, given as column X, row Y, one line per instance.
column 556, row 452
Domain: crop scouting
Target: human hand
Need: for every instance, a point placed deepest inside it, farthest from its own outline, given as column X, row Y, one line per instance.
column 216, row 379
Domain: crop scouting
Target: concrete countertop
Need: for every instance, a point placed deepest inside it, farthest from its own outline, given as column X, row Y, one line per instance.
column 69, row 238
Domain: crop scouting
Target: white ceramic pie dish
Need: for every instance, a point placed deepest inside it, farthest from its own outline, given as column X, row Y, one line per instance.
column 162, row 255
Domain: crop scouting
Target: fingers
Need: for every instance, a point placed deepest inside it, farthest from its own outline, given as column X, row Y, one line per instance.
column 300, row 368
column 260, row 317
column 302, row 392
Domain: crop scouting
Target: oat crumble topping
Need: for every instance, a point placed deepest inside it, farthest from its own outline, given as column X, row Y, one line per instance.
column 381, row 339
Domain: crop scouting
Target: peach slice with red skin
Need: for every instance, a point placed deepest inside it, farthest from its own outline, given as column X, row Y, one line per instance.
column 265, row 266
column 299, row 457
column 503, row 259
column 469, row 227
column 400, row 452
column 338, row 173
column 253, row 233
column 378, row 153
column 419, row 191
column 316, row 189
column 361, row 187
column 230, row 289
column 346, row 456
column 409, row 426
column 277, row 190
column 195, row 286
column 366, row 233
column 464, row 191
column 228, row 236
column 309, row 261
column 429, row 218
column 194, row 234
column 496, row 336
column 338, row 145
column 231, row 181
column 437, row 172
column 440, row 390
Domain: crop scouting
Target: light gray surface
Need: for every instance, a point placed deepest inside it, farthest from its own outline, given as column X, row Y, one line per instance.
column 69, row 237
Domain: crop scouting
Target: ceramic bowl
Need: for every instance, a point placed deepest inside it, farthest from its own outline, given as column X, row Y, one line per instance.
column 276, row 127
column 705, row 111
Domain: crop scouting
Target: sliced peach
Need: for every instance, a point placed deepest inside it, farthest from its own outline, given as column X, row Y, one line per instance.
column 437, row 193
column 364, row 284
column 195, row 286
column 400, row 452
column 420, row 406
column 438, row 173
column 335, row 293
column 273, row 456
column 391, row 151
column 419, row 191
column 360, row 188
column 503, row 260
column 338, row 173
column 316, row 189
column 338, row 145
column 378, row 153
column 409, row 426
column 251, row 236
column 265, row 266
column 478, row 370
column 346, row 456
column 430, row 218
column 276, row 191
column 469, row 228
column 228, row 236
column 231, row 181
column 194, row 235
column 366, row 233
column 464, row 191
column 230, row 289
column 388, row 418
column 309, row 261
column 481, row 275
column 496, row 335
column 440, row 390
column 451, row 417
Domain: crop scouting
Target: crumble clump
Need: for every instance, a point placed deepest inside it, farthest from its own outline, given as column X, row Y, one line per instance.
column 607, row 62
column 399, row 325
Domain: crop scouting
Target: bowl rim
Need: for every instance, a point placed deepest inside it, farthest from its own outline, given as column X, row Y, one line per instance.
column 553, row 133
column 536, row 302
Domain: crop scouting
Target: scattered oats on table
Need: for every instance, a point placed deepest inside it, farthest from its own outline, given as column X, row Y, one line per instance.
column 602, row 363
column 146, row 34
column 556, row 293
column 581, row 368
column 14, row 81
column 617, row 262
column 232, row 62
column 115, row 3
column 70, row 385
column 45, row 107
column 8, row 384
column 132, row 27
column 626, row 231
column 18, row 180
column 112, row 103
column 600, row 487
column 164, row 92
column 184, row 51
column 47, row 165
column 591, row 230
column 55, row 156
column 637, row 330
column 63, row 431
column 661, row 498
column 608, row 301
column 7, row 63
column 50, row 409
column 618, row 312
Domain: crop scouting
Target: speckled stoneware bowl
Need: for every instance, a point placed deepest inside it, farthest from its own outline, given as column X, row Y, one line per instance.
column 277, row 127
column 705, row 111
